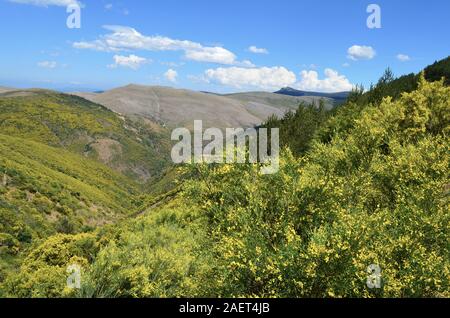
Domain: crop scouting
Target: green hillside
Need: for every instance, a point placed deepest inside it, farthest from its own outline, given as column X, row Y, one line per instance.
column 69, row 166
column 139, row 149
column 45, row 190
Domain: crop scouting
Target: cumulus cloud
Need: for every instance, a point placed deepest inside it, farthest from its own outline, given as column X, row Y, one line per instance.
column 124, row 38
column 211, row 54
column 47, row 64
column 403, row 57
column 257, row 50
column 46, row 3
column 171, row 75
column 333, row 82
column 267, row 78
column 357, row 52
column 132, row 61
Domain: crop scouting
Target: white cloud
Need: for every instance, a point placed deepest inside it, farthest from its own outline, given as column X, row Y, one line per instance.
column 403, row 57
column 346, row 64
column 132, row 61
column 108, row 6
column 357, row 52
column 333, row 82
column 46, row 3
column 245, row 63
column 257, row 50
column 124, row 38
column 217, row 55
column 171, row 75
column 267, row 78
column 47, row 64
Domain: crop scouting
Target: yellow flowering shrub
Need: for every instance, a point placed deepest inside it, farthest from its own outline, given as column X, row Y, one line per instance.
column 373, row 196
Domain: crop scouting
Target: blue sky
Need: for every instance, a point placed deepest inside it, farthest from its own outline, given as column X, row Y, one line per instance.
column 322, row 45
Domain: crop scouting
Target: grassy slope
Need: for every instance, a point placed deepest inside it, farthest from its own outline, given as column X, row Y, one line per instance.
column 176, row 107
column 56, row 155
column 137, row 149
column 45, row 190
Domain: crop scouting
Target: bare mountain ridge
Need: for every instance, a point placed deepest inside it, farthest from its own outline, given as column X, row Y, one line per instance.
column 179, row 107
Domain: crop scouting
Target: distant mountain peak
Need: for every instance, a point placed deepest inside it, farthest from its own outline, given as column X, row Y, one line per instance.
column 287, row 88
column 338, row 97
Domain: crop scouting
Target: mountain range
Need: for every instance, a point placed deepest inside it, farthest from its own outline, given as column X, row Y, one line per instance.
column 179, row 107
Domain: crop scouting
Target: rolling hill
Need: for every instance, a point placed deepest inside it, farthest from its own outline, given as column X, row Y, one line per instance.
column 176, row 107
column 68, row 165
column 138, row 149
column 234, row 232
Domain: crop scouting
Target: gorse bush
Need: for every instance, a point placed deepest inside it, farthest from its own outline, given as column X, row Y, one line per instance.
column 375, row 195
column 44, row 271
column 45, row 191
column 161, row 255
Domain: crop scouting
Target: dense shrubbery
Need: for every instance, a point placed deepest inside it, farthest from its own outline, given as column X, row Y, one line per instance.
column 163, row 254
column 133, row 148
column 375, row 195
column 51, row 180
column 44, row 191
column 298, row 129
column 374, row 192
column 44, row 271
